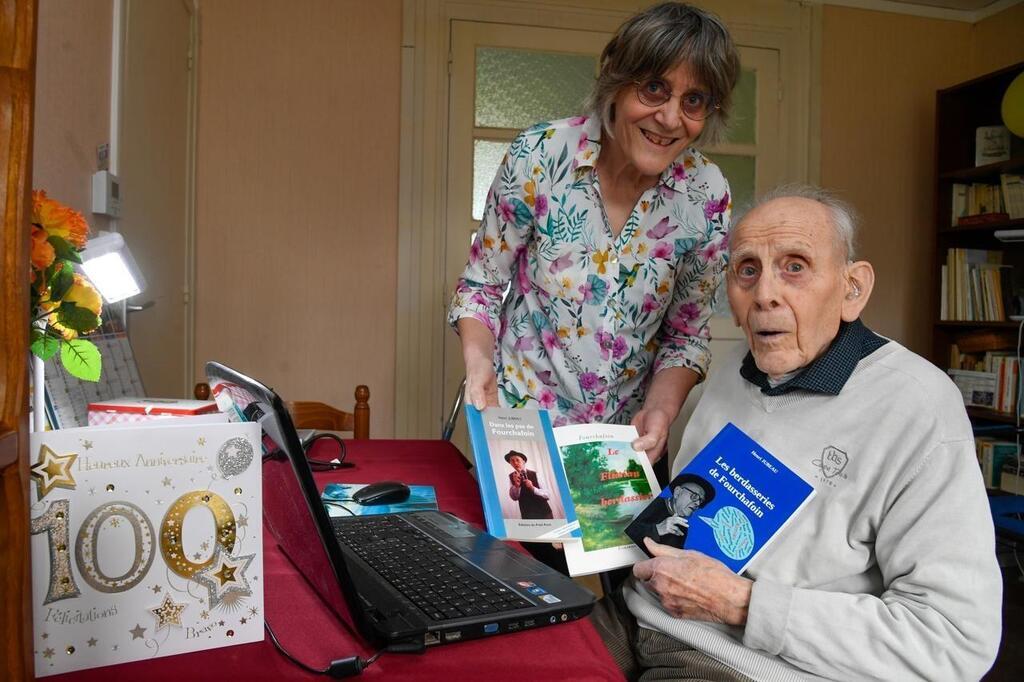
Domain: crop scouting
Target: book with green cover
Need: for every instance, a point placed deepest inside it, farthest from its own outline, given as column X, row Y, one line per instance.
column 579, row 485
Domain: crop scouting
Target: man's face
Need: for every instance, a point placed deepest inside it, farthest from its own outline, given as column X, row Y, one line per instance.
column 786, row 283
column 686, row 498
column 517, row 462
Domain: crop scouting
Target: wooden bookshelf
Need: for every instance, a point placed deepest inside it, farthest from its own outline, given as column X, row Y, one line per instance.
column 960, row 110
column 985, row 414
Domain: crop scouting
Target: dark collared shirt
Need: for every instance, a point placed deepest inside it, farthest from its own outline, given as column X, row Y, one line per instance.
column 829, row 373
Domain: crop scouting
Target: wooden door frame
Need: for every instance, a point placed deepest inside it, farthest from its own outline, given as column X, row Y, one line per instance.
column 420, row 404
column 17, row 93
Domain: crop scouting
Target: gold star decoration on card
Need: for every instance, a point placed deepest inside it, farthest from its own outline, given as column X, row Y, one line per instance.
column 87, row 444
column 201, row 441
column 243, row 521
column 138, row 632
column 168, row 613
column 48, row 652
column 92, row 641
column 226, row 574
column 224, row 577
column 156, row 589
column 166, row 481
column 53, row 471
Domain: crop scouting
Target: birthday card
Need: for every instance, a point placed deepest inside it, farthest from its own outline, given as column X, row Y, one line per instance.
column 146, row 541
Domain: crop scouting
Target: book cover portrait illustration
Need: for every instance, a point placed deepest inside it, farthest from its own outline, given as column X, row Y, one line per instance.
column 729, row 501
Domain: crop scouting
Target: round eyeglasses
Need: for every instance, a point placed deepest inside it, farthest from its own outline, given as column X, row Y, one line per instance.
column 696, row 105
column 694, row 496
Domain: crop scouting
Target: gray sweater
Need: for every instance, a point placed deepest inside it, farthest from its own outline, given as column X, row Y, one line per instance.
column 889, row 572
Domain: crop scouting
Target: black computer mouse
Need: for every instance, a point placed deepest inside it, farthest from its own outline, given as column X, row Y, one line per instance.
column 383, row 492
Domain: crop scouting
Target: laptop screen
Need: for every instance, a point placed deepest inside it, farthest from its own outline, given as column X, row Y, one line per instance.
column 291, row 503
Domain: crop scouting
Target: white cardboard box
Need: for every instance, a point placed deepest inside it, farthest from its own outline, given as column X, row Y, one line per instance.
column 134, row 410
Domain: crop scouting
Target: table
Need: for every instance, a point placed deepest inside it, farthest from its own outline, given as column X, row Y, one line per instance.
column 311, row 633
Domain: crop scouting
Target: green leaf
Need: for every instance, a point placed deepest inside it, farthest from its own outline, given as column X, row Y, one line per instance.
column 61, row 282
column 522, row 212
column 74, row 317
column 64, row 249
column 43, row 346
column 81, row 359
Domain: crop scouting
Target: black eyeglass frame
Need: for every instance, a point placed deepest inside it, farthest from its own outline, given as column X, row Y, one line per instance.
column 711, row 107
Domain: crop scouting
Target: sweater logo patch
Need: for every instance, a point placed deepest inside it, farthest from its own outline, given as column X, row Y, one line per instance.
column 832, row 464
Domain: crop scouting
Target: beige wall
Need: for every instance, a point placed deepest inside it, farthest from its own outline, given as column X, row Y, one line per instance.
column 297, row 184
column 72, row 106
column 879, row 74
column 298, row 165
column 998, row 41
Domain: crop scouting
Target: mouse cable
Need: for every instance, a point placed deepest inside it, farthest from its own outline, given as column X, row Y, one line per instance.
column 336, row 503
column 342, row 667
column 324, row 465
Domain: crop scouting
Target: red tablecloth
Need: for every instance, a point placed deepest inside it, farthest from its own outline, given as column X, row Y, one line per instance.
column 311, row 633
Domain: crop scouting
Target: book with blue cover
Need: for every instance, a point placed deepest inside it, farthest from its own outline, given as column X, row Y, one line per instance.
column 728, row 503
column 337, row 499
column 579, row 485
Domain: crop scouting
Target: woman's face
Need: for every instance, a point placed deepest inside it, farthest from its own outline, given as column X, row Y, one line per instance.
column 651, row 138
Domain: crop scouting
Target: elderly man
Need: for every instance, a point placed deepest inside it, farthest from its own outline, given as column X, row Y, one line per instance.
column 669, row 523
column 889, row 573
column 525, row 488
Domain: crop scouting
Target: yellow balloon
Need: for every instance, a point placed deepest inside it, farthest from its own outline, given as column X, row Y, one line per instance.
column 1013, row 106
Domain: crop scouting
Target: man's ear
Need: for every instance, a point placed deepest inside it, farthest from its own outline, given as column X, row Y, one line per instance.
column 860, row 280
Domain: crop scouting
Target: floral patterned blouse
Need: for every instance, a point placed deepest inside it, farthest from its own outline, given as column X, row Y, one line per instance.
column 590, row 317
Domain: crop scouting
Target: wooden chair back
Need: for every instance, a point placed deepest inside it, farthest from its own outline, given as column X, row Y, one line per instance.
column 309, row 414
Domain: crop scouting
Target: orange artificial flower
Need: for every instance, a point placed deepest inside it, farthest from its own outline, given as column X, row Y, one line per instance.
column 84, row 295
column 42, row 251
column 59, row 220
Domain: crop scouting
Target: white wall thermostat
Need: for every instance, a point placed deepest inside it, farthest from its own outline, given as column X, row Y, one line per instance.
column 106, row 194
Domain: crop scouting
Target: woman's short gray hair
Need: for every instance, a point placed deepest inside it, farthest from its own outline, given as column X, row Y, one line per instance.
column 655, row 41
column 844, row 217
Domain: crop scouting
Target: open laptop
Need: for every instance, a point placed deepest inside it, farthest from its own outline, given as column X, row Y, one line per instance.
column 403, row 581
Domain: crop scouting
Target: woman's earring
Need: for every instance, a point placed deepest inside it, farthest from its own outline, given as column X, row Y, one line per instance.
column 856, row 291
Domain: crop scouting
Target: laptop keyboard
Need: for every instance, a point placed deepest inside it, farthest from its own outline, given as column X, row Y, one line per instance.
column 424, row 570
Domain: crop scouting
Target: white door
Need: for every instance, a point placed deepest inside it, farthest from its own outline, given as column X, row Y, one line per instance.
column 155, row 158
column 503, row 78
column 751, row 158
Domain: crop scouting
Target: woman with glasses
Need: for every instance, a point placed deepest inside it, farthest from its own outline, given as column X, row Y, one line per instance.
column 591, row 280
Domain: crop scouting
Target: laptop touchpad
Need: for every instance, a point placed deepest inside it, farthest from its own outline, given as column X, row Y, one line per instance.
column 507, row 564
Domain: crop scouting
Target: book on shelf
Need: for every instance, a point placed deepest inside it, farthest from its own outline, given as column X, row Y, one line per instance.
column 993, row 455
column 728, row 502
column 1012, row 478
column 978, row 389
column 978, row 286
column 981, row 203
column 991, row 379
column 944, row 293
column 991, row 144
column 1013, row 194
column 579, row 485
column 961, row 204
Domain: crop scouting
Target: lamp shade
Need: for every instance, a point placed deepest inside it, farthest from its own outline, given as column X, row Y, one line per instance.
column 1013, row 106
column 109, row 265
